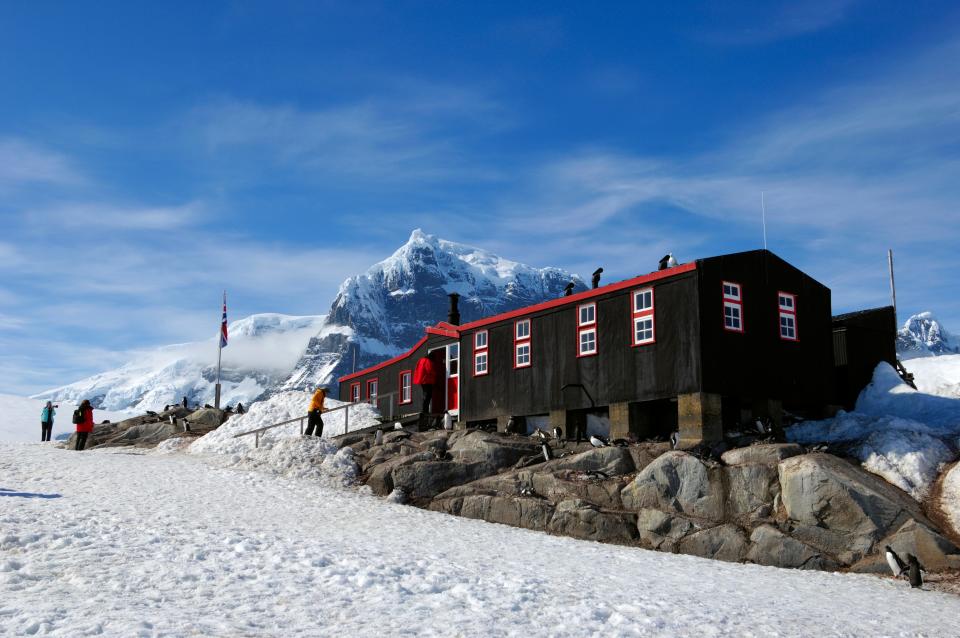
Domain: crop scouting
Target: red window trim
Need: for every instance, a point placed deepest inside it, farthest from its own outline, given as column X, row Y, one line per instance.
column 373, row 380
column 523, row 340
column 733, row 301
column 410, row 400
column 790, row 313
column 588, row 327
column 477, row 354
column 647, row 312
column 358, row 394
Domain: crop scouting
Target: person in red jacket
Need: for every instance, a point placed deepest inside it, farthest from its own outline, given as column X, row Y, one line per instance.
column 425, row 376
column 85, row 427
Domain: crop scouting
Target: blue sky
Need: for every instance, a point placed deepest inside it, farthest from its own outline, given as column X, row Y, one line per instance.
column 152, row 154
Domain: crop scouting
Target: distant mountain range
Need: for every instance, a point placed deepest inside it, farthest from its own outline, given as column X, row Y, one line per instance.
column 375, row 315
column 923, row 336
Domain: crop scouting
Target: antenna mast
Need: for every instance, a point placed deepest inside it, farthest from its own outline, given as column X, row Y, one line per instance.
column 763, row 218
column 893, row 287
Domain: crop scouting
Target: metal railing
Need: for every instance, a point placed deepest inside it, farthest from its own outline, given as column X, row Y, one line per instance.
column 346, row 417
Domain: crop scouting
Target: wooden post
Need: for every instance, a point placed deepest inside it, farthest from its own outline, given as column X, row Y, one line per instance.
column 346, row 418
column 301, row 426
column 256, row 440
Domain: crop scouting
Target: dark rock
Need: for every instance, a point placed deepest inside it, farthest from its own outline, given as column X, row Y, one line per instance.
column 580, row 519
column 723, row 542
column 770, row 546
column 750, row 488
column 659, row 530
column 380, row 478
column 426, row 479
column 677, row 482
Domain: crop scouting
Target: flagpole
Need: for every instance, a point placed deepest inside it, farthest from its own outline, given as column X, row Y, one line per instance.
column 216, row 399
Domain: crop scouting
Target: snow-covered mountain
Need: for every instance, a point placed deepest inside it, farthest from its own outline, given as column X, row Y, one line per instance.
column 375, row 316
column 384, row 311
column 263, row 350
column 922, row 335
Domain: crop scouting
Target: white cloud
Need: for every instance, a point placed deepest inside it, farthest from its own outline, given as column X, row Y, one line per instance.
column 24, row 163
column 113, row 217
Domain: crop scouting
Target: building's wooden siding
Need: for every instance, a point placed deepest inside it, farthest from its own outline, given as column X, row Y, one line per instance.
column 758, row 364
column 868, row 338
column 619, row 372
column 389, row 379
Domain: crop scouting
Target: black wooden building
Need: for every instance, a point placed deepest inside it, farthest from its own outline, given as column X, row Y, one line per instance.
column 695, row 348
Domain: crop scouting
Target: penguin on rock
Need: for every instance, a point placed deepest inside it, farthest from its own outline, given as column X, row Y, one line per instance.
column 916, row 580
column 674, row 440
column 597, row 441
column 897, row 566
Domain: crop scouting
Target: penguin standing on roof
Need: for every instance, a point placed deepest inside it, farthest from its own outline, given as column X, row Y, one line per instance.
column 569, row 289
column 897, row 566
column 596, row 277
column 667, row 261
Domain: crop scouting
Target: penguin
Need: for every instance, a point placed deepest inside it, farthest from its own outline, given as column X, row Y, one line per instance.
column 596, row 277
column 671, row 262
column 916, row 580
column 558, row 433
column 547, row 453
column 569, row 289
column 897, row 566
column 761, row 427
column 620, row 443
column 378, row 438
column 397, row 426
column 597, row 441
column 674, row 440
column 596, row 474
column 540, row 434
column 664, row 261
column 151, row 413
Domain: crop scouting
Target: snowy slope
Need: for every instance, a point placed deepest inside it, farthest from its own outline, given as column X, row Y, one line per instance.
column 904, row 435
column 263, row 349
column 382, row 312
column 223, row 552
column 937, row 375
column 923, row 336
column 20, row 418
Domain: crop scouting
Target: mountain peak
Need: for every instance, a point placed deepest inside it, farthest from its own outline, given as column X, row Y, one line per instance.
column 922, row 335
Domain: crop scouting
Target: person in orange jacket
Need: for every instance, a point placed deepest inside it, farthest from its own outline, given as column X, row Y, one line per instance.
column 425, row 376
column 314, row 420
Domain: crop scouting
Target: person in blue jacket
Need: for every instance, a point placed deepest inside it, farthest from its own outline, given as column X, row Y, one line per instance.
column 46, row 421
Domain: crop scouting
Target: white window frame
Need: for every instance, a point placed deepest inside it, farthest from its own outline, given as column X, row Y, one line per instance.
column 517, row 347
column 592, row 330
column 736, row 315
column 375, row 382
column 592, row 307
column 406, row 386
column 477, row 358
column 641, row 311
column 516, row 330
column 477, row 345
column 355, row 392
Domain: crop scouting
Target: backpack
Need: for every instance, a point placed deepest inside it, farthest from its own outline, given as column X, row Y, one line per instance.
column 78, row 416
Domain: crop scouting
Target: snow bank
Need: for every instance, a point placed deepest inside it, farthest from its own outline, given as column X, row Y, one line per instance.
column 937, row 375
column 950, row 497
column 896, row 432
column 283, row 451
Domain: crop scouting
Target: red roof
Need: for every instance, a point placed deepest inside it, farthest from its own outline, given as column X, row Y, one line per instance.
column 448, row 330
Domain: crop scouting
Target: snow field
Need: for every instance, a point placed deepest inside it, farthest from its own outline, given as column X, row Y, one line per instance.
column 168, row 545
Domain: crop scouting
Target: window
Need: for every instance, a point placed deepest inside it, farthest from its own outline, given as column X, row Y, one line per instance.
column 406, row 386
column 788, row 316
column 643, row 319
column 588, row 314
column 522, row 330
column 481, row 341
column 521, row 343
column 354, row 392
column 453, row 359
column 587, row 330
column 480, row 363
column 732, row 307
column 372, row 386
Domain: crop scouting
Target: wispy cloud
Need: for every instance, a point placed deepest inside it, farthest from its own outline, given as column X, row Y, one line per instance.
column 116, row 217
column 25, row 163
column 409, row 133
column 773, row 21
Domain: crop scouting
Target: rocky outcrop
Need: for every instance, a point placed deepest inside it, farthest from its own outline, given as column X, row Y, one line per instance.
column 765, row 504
column 150, row 429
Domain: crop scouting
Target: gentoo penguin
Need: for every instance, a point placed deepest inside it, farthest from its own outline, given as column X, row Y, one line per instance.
column 569, row 289
column 151, row 413
column 664, row 261
column 547, row 453
column 674, row 440
column 761, row 427
column 540, row 434
column 378, row 438
column 596, row 474
column 558, row 433
column 596, row 277
column 916, row 580
column 897, row 566
column 671, row 262
column 597, row 441
column 397, row 426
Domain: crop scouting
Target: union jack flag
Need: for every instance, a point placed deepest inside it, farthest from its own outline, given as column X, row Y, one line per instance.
column 223, row 324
